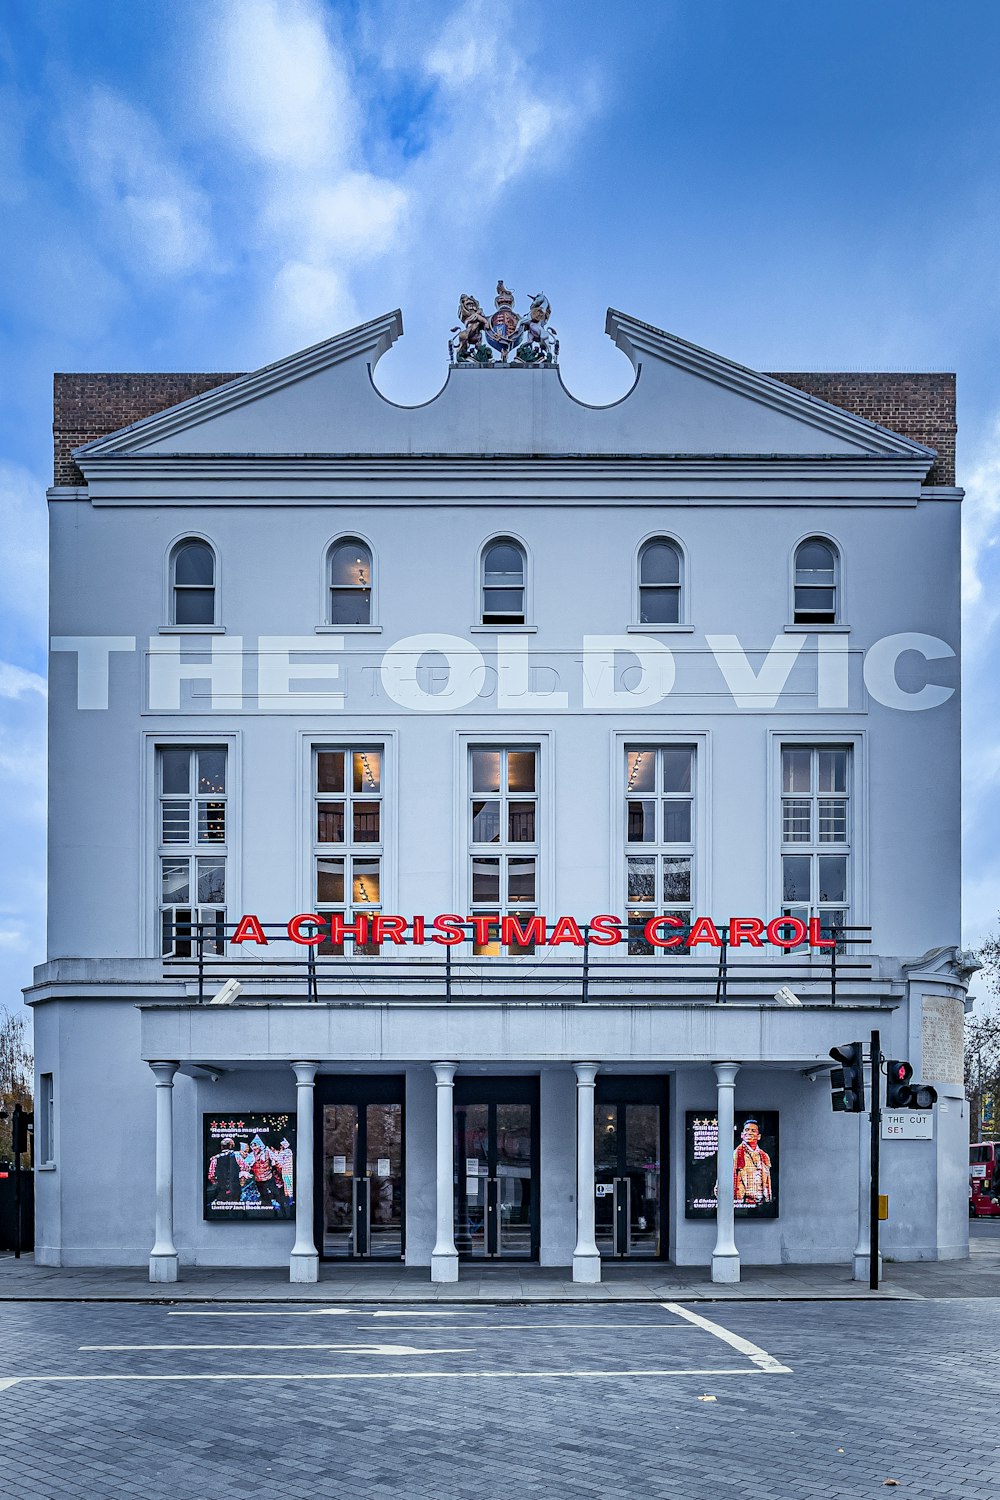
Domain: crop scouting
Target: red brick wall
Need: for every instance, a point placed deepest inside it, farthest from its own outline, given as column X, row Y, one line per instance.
column 85, row 407
column 921, row 407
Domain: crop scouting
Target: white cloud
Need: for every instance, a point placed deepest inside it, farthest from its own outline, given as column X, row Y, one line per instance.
column 23, row 564
column 16, row 682
column 148, row 200
column 981, row 521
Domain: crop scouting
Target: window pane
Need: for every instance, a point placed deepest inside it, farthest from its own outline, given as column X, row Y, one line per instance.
column 640, row 770
column 330, row 771
column 329, row 880
column 795, row 770
column 351, row 565
column 211, row 771
column 211, row 882
column 520, row 880
column 175, row 771
column 642, row 822
column 175, row 885
column 833, row 770
column 503, row 601
column 486, row 770
column 636, row 941
column 521, row 822
column 330, row 823
column 677, row 822
column 491, row 949
column 659, row 606
column 366, row 822
column 796, row 821
column 503, row 563
column 367, row 770
column 677, row 880
column 660, row 563
column 486, row 822
column 175, row 825
column 641, row 879
column 194, row 606
column 350, row 606
column 194, row 563
column 367, row 884
column 833, row 877
column 814, row 601
column 211, row 822
column 814, row 558
column 833, row 820
column 486, row 880
column 521, row 771
column 677, row 769
column 795, row 877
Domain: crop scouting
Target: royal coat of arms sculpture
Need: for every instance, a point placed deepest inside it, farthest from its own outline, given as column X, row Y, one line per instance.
column 529, row 341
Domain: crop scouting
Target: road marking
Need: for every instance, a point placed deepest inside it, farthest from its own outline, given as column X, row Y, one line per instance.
column 343, row 1348
column 392, row 1375
column 276, row 1312
column 760, row 1357
column 5, row 1385
column 502, row 1327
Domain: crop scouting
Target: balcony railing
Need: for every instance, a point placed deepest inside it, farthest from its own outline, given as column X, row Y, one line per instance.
column 593, row 972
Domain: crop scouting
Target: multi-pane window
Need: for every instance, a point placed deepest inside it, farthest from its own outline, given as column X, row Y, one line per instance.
column 45, row 1136
column 816, row 833
column 350, row 583
column 192, row 846
column 503, row 583
column 660, row 583
column 659, row 836
column 193, row 583
column 815, row 582
column 348, row 837
column 503, row 838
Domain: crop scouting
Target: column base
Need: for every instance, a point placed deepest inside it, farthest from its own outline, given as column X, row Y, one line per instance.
column 587, row 1268
column 303, row 1267
column 726, row 1268
column 860, row 1267
column 163, row 1267
column 444, row 1267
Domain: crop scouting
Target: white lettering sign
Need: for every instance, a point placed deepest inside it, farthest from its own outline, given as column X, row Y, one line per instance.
column 907, row 1125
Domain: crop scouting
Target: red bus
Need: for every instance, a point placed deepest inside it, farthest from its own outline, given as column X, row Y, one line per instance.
column 984, row 1178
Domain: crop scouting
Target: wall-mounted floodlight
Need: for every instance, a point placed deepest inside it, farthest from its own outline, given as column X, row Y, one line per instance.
column 228, row 993
column 785, row 996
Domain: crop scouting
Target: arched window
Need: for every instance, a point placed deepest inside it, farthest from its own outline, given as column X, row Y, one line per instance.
column 193, row 583
column 815, row 582
column 660, row 583
column 503, row 583
column 350, row 582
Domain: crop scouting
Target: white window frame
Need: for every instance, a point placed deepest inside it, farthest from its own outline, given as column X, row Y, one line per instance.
column 45, row 1133
column 480, row 596
column 683, row 623
column 347, row 850
column 839, row 622
column 149, row 842
column 372, row 627
column 169, row 625
column 858, row 813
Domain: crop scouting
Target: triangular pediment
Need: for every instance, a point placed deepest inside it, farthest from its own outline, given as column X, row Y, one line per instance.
column 684, row 402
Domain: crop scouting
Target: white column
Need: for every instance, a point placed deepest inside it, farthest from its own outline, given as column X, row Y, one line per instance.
column 304, row 1263
column 586, row 1256
column 163, row 1256
column 444, row 1256
column 862, row 1250
column 725, row 1257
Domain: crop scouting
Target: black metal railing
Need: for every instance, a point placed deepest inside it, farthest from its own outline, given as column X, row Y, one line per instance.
column 202, row 952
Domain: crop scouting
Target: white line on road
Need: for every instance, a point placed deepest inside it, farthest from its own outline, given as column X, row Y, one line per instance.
column 273, row 1312
column 503, row 1327
column 342, row 1348
column 391, row 1375
column 760, row 1357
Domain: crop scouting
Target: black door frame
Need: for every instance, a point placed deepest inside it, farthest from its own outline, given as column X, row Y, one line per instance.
column 643, row 1088
column 503, row 1089
column 358, row 1089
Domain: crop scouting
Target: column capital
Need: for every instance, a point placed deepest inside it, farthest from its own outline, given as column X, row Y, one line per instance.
column 164, row 1072
column 444, row 1073
column 725, row 1073
column 305, row 1073
column 586, row 1073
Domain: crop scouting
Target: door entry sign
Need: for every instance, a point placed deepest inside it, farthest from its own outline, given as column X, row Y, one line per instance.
column 907, row 1125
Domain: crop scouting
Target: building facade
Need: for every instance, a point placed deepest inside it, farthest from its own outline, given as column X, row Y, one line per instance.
column 557, row 783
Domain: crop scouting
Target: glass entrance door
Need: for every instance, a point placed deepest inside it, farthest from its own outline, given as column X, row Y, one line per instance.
column 361, row 1144
column 627, row 1173
column 496, row 1169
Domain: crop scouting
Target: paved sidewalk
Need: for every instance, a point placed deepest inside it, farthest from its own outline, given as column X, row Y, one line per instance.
column 979, row 1276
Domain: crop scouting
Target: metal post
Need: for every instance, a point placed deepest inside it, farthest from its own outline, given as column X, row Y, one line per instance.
column 722, row 982
column 313, row 988
column 586, row 964
column 876, row 1118
column 200, row 941
column 447, row 972
column 833, row 966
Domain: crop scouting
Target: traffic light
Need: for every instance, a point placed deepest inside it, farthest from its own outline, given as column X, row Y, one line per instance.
column 848, row 1081
column 900, row 1093
column 19, row 1129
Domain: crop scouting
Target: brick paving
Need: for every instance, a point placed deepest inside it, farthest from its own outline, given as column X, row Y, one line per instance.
column 501, row 1400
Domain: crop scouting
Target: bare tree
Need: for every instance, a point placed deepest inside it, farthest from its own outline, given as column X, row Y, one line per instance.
column 982, row 1072
column 16, row 1070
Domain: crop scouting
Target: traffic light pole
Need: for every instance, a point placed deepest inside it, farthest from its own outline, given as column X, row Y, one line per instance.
column 876, row 1128
column 16, row 1143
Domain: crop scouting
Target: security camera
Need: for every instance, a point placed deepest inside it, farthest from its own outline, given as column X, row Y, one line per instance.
column 228, row 993
column 785, row 996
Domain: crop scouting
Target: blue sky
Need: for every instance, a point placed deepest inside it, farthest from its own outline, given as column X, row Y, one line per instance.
column 211, row 186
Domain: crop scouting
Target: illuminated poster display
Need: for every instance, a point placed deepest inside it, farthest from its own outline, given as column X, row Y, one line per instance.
column 249, row 1167
column 753, row 1176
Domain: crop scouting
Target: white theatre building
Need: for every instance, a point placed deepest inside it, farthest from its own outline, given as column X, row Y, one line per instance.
column 569, row 735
